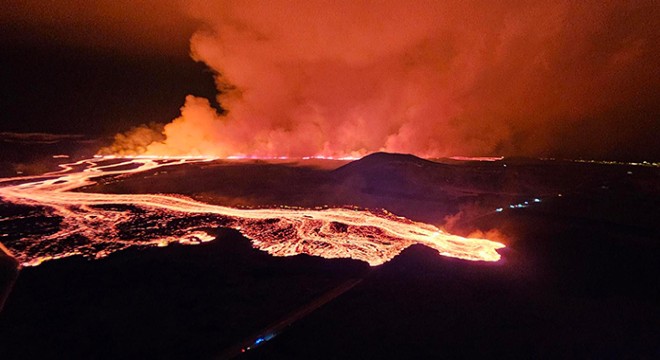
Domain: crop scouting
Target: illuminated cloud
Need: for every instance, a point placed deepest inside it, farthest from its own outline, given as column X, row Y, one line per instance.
column 432, row 78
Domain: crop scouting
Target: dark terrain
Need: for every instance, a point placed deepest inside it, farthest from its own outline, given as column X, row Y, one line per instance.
column 183, row 302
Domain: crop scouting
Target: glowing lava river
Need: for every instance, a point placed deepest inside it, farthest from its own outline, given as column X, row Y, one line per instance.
column 54, row 220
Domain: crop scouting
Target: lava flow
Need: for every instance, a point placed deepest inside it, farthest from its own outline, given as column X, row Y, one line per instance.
column 50, row 220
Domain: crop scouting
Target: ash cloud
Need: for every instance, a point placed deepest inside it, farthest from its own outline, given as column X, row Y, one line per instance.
column 429, row 78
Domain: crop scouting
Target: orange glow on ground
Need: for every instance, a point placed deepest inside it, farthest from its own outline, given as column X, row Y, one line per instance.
column 101, row 219
column 477, row 158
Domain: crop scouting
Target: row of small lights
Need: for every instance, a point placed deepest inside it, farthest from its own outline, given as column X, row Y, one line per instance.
column 521, row 205
column 609, row 162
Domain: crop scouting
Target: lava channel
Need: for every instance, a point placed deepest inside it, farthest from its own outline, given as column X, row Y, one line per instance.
column 55, row 221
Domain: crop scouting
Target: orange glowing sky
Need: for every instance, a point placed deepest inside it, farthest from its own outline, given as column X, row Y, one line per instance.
column 432, row 78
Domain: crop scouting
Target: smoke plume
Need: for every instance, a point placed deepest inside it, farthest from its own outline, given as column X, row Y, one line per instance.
column 432, row 78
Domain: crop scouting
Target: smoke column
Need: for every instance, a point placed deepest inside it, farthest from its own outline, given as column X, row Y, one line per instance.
column 431, row 78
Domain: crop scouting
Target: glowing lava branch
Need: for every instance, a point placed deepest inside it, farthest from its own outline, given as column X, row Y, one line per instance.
column 72, row 222
column 477, row 158
column 315, row 157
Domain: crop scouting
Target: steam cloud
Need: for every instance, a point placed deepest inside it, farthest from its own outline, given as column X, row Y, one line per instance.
column 432, row 78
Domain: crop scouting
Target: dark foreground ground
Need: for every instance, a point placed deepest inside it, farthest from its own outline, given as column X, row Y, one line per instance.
column 579, row 278
column 181, row 302
column 569, row 292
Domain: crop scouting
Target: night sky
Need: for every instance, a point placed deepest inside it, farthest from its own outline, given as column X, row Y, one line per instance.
column 560, row 80
column 65, row 70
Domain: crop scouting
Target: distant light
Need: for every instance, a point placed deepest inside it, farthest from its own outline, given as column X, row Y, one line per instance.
column 606, row 162
column 537, row 200
column 259, row 341
column 499, row 209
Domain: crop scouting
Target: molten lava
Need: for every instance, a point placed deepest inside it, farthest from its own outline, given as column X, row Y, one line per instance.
column 477, row 158
column 95, row 224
